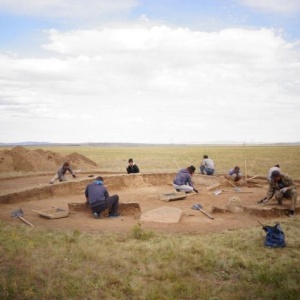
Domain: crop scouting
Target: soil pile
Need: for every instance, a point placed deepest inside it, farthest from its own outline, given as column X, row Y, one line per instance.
column 21, row 159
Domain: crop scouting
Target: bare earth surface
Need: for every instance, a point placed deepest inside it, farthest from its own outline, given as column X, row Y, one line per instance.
column 34, row 193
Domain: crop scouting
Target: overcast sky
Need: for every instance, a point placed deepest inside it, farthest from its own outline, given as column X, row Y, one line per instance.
column 167, row 71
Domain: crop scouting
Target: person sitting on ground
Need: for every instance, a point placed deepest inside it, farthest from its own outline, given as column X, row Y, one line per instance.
column 207, row 166
column 235, row 173
column 283, row 187
column 183, row 180
column 60, row 174
column 99, row 200
column 132, row 167
column 275, row 168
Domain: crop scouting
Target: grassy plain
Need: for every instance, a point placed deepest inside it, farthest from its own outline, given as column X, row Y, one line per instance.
column 169, row 158
column 44, row 264
column 39, row 264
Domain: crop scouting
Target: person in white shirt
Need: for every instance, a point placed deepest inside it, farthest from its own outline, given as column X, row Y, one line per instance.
column 207, row 166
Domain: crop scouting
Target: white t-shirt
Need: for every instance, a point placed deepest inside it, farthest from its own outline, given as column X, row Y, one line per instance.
column 208, row 163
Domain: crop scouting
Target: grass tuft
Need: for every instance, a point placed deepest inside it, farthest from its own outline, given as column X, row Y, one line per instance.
column 140, row 234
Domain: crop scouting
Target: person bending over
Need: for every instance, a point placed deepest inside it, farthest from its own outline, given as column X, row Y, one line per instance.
column 183, row 180
column 235, row 173
column 99, row 200
column 60, row 174
column 283, row 187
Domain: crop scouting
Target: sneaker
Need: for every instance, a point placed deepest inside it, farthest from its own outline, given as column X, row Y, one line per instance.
column 51, row 182
column 292, row 213
column 178, row 190
column 113, row 215
column 96, row 216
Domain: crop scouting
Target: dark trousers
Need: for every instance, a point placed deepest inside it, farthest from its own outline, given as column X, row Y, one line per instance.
column 112, row 203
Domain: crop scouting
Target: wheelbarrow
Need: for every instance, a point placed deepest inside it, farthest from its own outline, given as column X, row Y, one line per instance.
column 19, row 214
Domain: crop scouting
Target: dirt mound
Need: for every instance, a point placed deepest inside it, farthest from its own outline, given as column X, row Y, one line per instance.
column 80, row 160
column 20, row 159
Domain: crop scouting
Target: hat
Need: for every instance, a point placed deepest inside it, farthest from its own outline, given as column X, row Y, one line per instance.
column 275, row 174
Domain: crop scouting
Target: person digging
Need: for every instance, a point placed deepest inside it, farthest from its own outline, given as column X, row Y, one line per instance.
column 60, row 174
column 183, row 180
column 99, row 200
column 283, row 187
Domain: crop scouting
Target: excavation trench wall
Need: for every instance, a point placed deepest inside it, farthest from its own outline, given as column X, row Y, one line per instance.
column 113, row 182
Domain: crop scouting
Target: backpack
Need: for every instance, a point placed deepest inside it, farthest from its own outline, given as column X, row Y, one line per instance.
column 275, row 237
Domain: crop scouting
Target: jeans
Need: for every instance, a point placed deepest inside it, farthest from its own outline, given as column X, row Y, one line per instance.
column 208, row 171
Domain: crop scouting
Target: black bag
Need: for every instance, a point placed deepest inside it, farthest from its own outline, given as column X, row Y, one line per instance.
column 275, row 237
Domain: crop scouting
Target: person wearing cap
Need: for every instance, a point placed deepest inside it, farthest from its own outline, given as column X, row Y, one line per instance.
column 235, row 173
column 275, row 168
column 283, row 187
column 207, row 166
column 99, row 200
column 132, row 167
column 183, row 180
column 60, row 174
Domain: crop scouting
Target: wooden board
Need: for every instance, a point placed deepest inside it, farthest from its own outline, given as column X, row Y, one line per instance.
column 173, row 196
column 53, row 213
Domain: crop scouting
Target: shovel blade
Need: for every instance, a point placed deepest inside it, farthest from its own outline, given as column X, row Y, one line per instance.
column 197, row 206
column 17, row 213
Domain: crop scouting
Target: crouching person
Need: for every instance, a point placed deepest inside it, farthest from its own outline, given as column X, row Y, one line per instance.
column 183, row 180
column 60, row 174
column 282, row 187
column 235, row 174
column 99, row 200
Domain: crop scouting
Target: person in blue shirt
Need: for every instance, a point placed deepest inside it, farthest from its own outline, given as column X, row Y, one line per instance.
column 235, row 173
column 183, row 180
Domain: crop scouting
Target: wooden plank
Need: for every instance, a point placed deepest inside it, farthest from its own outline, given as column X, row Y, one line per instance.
column 230, row 183
column 213, row 186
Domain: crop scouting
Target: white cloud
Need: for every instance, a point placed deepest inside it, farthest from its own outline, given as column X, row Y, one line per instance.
column 277, row 6
column 154, row 84
column 66, row 8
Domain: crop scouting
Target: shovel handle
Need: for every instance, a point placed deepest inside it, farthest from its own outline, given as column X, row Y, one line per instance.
column 25, row 221
column 207, row 214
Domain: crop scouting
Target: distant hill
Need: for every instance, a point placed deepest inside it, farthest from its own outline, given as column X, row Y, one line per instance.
column 25, row 144
column 221, row 143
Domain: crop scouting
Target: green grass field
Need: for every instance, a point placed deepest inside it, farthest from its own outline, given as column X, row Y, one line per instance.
column 257, row 159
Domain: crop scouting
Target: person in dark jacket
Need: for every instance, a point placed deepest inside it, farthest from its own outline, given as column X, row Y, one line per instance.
column 132, row 167
column 99, row 200
column 60, row 174
column 183, row 180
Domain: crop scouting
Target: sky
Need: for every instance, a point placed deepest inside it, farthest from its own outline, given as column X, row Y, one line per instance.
column 141, row 71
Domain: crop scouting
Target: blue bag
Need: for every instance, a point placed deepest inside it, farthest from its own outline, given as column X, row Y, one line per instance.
column 275, row 237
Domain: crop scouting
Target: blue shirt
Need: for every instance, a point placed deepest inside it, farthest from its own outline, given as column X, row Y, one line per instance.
column 183, row 177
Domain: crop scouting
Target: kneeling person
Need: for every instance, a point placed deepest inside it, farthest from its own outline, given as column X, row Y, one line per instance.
column 99, row 200
column 183, row 180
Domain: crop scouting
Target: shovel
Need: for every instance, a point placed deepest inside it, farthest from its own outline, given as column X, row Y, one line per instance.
column 19, row 214
column 199, row 207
